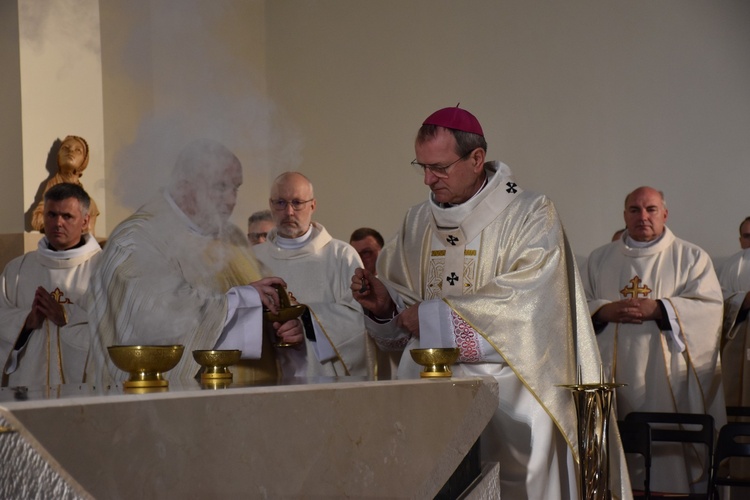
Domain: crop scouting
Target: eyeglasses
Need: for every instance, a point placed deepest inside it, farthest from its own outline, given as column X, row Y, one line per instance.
column 437, row 170
column 281, row 204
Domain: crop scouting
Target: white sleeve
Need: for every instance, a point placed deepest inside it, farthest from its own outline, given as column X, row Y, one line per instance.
column 243, row 326
column 437, row 328
column 676, row 332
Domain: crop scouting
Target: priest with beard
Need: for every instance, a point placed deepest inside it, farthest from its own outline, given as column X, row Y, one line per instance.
column 484, row 266
column 656, row 305
column 177, row 272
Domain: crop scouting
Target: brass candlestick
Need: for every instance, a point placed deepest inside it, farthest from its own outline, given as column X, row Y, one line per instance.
column 593, row 407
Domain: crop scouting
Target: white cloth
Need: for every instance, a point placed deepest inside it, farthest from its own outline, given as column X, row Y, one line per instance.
column 161, row 282
column 64, row 274
column 496, row 278
column 318, row 274
column 735, row 352
column 661, row 375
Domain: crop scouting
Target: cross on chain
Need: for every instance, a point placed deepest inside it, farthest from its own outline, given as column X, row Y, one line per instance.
column 452, row 279
column 634, row 290
column 452, row 240
column 511, row 187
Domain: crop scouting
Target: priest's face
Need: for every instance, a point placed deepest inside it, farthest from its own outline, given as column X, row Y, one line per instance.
column 645, row 214
column 64, row 223
column 368, row 249
column 464, row 176
column 745, row 234
column 291, row 189
column 210, row 197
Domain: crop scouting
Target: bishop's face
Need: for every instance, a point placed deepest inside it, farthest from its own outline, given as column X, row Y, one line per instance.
column 458, row 183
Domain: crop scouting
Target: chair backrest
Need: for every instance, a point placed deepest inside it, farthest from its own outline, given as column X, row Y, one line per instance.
column 675, row 431
column 728, row 446
column 636, row 438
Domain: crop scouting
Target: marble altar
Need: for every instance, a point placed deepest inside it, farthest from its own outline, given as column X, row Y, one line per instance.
column 327, row 439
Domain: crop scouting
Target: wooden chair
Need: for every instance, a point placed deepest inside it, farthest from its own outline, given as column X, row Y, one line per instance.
column 636, row 438
column 673, row 427
column 734, row 441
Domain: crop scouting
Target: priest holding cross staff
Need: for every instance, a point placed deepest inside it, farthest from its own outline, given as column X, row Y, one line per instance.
column 656, row 305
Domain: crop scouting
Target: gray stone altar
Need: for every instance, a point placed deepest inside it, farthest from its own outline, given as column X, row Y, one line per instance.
column 328, row 439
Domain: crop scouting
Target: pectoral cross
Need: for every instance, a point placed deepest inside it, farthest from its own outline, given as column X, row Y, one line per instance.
column 634, row 290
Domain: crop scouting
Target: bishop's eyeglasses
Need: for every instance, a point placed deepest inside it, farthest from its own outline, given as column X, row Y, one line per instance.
column 281, row 204
column 437, row 170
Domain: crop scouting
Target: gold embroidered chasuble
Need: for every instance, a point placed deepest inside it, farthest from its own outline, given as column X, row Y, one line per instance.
column 735, row 343
column 658, row 375
column 161, row 283
column 507, row 271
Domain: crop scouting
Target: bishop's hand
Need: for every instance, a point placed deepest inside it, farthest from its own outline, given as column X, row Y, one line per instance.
column 371, row 294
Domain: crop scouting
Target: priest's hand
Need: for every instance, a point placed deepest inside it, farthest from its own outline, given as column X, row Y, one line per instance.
column 371, row 294
column 408, row 319
column 621, row 311
column 290, row 332
column 650, row 310
column 48, row 307
column 268, row 294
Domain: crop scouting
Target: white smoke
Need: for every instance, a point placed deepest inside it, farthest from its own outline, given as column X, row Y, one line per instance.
column 200, row 93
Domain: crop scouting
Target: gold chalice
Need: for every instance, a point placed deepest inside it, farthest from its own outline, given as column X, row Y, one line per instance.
column 216, row 363
column 145, row 363
column 286, row 312
column 436, row 361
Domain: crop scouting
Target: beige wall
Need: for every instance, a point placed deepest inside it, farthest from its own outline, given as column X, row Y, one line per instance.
column 584, row 99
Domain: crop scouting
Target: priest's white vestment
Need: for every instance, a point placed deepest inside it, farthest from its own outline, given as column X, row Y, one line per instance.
column 675, row 370
column 735, row 350
column 318, row 274
column 52, row 355
column 161, row 281
column 496, row 278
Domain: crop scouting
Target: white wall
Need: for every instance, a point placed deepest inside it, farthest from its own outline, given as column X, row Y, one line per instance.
column 584, row 99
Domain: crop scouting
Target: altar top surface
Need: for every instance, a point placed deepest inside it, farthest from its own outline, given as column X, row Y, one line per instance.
column 341, row 437
column 20, row 397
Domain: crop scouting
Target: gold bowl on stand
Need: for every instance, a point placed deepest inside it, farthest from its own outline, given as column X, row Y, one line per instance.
column 436, row 361
column 216, row 363
column 145, row 363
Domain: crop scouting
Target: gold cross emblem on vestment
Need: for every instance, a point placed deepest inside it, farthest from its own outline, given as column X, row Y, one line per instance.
column 57, row 295
column 634, row 290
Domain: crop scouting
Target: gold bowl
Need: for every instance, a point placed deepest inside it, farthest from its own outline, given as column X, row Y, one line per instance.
column 436, row 362
column 285, row 314
column 216, row 363
column 145, row 363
